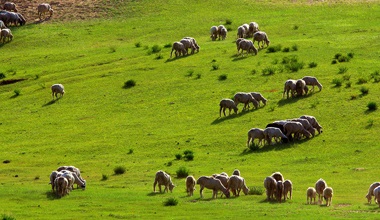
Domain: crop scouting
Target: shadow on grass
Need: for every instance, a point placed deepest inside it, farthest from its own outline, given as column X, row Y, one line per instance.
column 276, row 146
column 291, row 100
column 233, row 115
column 271, row 201
column 175, row 58
column 51, row 102
column 50, row 195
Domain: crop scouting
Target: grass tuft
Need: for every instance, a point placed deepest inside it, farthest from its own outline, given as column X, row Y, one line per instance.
column 129, row 84
column 171, row 202
column 372, row 106
column 182, row 172
column 119, row 170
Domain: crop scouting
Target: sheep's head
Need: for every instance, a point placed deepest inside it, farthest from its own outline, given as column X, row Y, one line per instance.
column 369, row 198
column 171, row 187
column 236, row 110
column 245, row 190
column 227, row 193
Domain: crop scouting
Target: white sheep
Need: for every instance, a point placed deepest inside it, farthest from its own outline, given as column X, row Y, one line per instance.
column 289, row 86
column 279, row 191
column 248, row 46
column 320, row 185
column 190, row 185
column 253, row 28
column 241, row 32
column 223, row 33
column 243, row 97
column 278, row 176
column 214, row 32
column 376, row 193
column 312, row 81
column 288, row 188
column 62, row 185
column 197, row 47
column 301, row 87
column 270, row 185
column 188, row 43
column 227, row 103
column 261, row 36
column 214, row 184
column 313, row 121
column 254, row 133
column 236, row 184
column 328, row 194
column 43, row 8
column 70, row 178
column 179, row 49
column 246, row 29
column 296, row 128
column 306, row 124
column 5, row 34
column 163, row 178
column 223, row 179
column 272, row 132
column 238, row 42
column 259, row 97
column 57, row 89
column 370, row 191
column 311, row 193
column 52, row 178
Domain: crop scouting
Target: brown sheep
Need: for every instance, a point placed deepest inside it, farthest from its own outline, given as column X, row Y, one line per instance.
column 290, row 86
column 214, row 32
column 288, row 188
column 6, row 33
column 311, row 193
column 320, row 185
column 370, row 191
column 270, row 186
column 227, row 103
column 261, row 36
column 190, row 185
column 43, row 8
column 248, row 46
column 179, row 49
column 10, row 6
column 163, row 178
column 301, row 87
column 328, row 194
column 312, row 81
column 313, row 121
column 296, row 128
column 279, row 191
column 255, row 133
column 243, row 97
column 214, row 184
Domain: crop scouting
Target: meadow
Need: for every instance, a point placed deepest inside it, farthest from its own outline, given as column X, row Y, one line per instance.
column 99, row 124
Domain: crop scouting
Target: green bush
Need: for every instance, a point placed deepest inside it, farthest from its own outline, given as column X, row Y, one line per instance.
column 295, row 47
column 215, row 66
column 156, row 48
column 313, row 65
column 361, row 81
column 104, row 177
column 269, row 71
column 342, row 70
column 364, row 90
column 129, row 84
column 17, row 92
column 178, row 156
column 256, row 190
column 273, row 49
column 228, row 21
column 138, row 44
column 171, row 202
column 182, row 172
column 337, row 82
column 372, row 106
column 2, row 75
column 119, row 170
column 222, row 77
column 7, row 217
column 286, row 49
column 168, row 45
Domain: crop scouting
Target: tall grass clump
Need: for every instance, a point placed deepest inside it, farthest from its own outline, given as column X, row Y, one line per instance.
column 104, row 177
column 171, row 202
column 273, row 49
column 256, row 190
column 188, row 155
column 292, row 64
column 155, row 49
column 222, row 77
column 138, row 44
column 361, row 81
column 119, row 170
column 168, row 45
column 313, row 65
column 7, row 217
column 364, row 90
column 269, row 71
column 337, row 82
column 372, row 106
column 2, row 75
column 375, row 76
column 295, row 47
column 215, row 66
column 228, row 21
column 182, row 172
column 178, row 156
column 129, row 84
column 17, row 92
column 342, row 70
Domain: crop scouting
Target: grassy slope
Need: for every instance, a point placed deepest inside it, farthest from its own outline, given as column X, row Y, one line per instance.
column 97, row 122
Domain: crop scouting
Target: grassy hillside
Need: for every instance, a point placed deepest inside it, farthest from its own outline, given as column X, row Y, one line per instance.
column 99, row 125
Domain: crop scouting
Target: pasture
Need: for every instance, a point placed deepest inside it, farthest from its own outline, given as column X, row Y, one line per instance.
column 99, row 125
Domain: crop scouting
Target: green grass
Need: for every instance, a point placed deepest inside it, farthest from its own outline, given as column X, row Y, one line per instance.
column 174, row 107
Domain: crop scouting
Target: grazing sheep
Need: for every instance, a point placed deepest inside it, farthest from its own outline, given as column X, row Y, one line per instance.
column 214, row 184
column 223, row 179
column 6, row 33
column 190, row 185
column 237, row 43
column 278, row 176
column 306, row 124
column 62, row 185
column 370, row 191
column 246, row 29
column 2, row 25
column 236, row 184
column 224, row 174
column 197, row 47
column 296, row 128
column 52, row 178
column 179, row 49
column 281, row 127
column 253, row 28
column 313, row 121
column 301, row 87
column 240, row 32
column 270, row 186
column 163, row 178
column 254, row 133
column 243, row 97
column 188, row 43
column 260, row 36
column 275, row 133
column 311, row 193
column 10, row 18
column 328, row 194
column 70, row 178
column 259, row 97
column 290, row 86
column 320, row 185
column 223, row 33
column 214, row 32
column 376, row 193
column 57, row 89
column 246, row 45
column 10, row 6
column 43, row 8
column 279, row 191
column 236, row 172
column 288, row 188
column 227, row 103
column 312, row 81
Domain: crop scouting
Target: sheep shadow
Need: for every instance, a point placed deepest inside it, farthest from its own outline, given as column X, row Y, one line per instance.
column 271, row 201
column 291, row 100
column 39, row 21
column 154, row 193
column 175, row 58
column 51, row 102
column 232, row 115
column 50, row 195
column 272, row 147
column 237, row 57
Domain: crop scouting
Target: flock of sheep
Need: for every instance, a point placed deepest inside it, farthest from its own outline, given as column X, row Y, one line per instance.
column 10, row 16
column 63, row 179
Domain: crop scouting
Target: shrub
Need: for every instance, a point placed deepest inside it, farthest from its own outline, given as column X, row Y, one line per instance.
column 129, row 84
column 215, row 66
column 178, row 156
column 342, row 70
column 130, row 151
column 168, row 45
column 346, row 77
column 295, row 47
column 334, row 62
column 286, row 49
column 269, row 71
column 156, row 48
column 138, row 44
column 361, row 81
column 7, row 217
column 256, row 190
column 2, row 75
column 222, row 77
column 337, row 82
column 350, row 55
column 253, row 147
column 372, row 106
column 375, row 76
column 294, row 66
column 182, row 172
column 343, row 59
column 337, row 56
column 198, row 76
column 119, row 170
column 159, row 56
column 313, row 65
column 295, row 27
column 348, row 84
column 228, row 21
column 253, row 72
column 353, row 97
column 273, row 49
column 104, row 177
column 169, row 164
column 188, row 155
column 190, row 73
column 188, row 152
column 17, row 92
column 171, row 202
column 364, row 90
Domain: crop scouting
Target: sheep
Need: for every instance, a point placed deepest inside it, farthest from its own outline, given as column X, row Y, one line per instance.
column 288, row 188
column 296, row 128
column 320, row 185
column 246, row 45
column 6, row 33
column 236, row 172
column 187, row 43
column 242, row 97
column 370, row 191
column 227, row 103
column 328, row 194
column 301, row 87
column 223, row 33
column 10, row 6
column 70, row 178
column 270, row 186
column 241, row 32
column 10, row 18
column 278, row 176
column 311, row 193
column 313, row 121
column 376, row 193
column 281, row 127
column 163, row 178
column 272, row 132
column 246, row 29
column 260, row 36
column 306, row 124
column 197, row 47
column 253, row 28
column 52, row 178
column 238, row 42
column 62, row 185
column 312, row 81
column 43, row 8
column 179, row 49
column 279, row 191
column 214, row 32
column 190, row 185
column 2, row 25
column 290, row 86
column 223, row 179
column 236, row 184
column 254, row 133
column 57, row 89
column 214, row 184
column 259, row 97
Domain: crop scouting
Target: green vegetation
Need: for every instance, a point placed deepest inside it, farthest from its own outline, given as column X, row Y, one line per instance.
column 175, row 107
